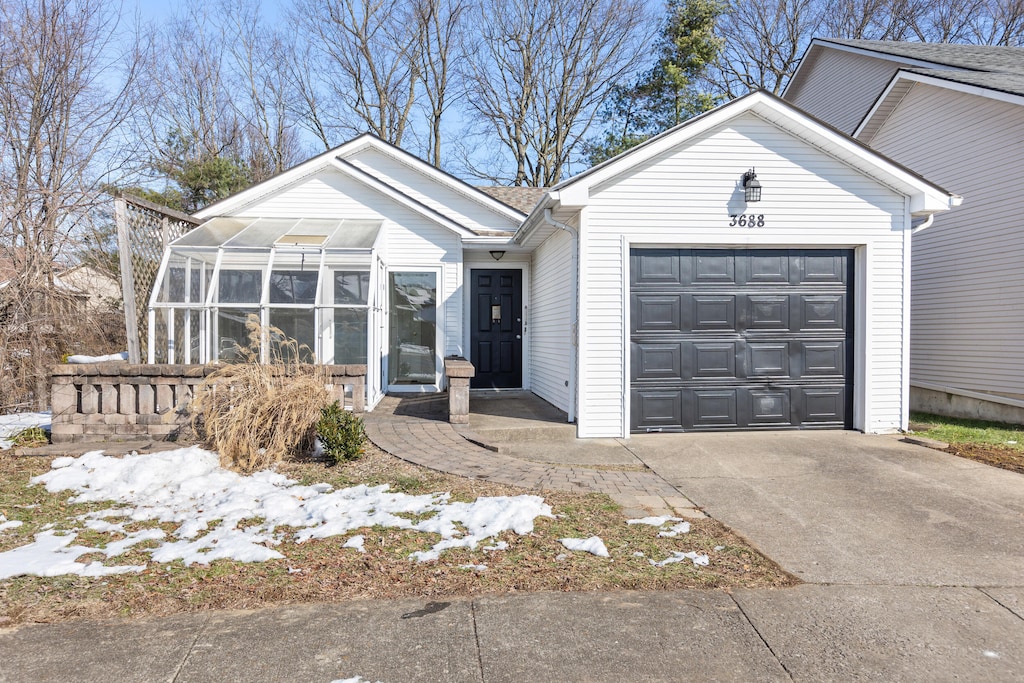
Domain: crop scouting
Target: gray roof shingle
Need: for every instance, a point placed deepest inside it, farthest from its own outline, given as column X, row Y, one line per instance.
column 987, row 58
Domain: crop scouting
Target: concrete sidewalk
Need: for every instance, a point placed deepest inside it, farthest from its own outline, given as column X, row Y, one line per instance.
column 808, row 633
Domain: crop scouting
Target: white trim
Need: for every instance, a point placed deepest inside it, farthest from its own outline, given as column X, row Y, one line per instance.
column 582, row 319
column 862, row 330
column 967, row 393
column 470, row 263
column 627, row 340
column 937, row 82
column 905, row 365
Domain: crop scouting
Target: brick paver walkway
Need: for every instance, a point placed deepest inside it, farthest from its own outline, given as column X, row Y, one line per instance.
column 414, row 429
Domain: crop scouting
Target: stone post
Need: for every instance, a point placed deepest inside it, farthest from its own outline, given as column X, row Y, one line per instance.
column 459, row 371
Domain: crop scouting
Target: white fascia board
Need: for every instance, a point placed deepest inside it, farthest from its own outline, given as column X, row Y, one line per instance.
column 375, row 183
column 535, row 219
column 938, row 83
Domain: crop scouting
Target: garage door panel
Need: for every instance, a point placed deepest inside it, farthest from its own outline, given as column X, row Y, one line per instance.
column 825, row 266
column 823, row 359
column 822, row 312
column 715, row 408
column 766, row 312
column 654, row 312
column 713, row 312
column 767, row 267
column 823, row 405
column 768, row 359
column 712, row 266
column 657, row 361
column 655, row 409
column 656, row 267
column 712, row 360
column 771, row 407
column 725, row 339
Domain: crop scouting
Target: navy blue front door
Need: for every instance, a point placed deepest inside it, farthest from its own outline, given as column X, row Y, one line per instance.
column 496, row 336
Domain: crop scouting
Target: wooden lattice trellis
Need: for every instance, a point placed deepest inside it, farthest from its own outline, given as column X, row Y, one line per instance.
column 143, row 231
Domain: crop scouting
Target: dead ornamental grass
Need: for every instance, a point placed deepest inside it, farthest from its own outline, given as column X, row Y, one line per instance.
column 254, row 414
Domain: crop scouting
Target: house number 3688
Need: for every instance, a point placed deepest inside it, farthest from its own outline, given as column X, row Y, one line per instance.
column 747, row 220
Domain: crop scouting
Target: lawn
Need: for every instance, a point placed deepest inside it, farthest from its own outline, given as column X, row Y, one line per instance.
column 323, row 569
column 994, row 443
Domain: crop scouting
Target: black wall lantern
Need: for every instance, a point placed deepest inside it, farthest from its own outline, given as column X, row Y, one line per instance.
column 751, row 187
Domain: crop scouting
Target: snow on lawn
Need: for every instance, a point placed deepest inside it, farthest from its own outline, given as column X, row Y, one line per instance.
column 98, row 359
column 187, row 487
column 12, row 425
column 593, row 545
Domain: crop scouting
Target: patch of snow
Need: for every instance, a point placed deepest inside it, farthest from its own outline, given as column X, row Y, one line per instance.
column 53, row 555
column 474, row 567
column 719, row 547
column 354, row 679
column 638, row 554
column 675, row 530
column 592, row 545
column 14, row 424
column 12, row 524
column 1012, row 443
column 560, row 557
column 655, row 521
column 79, row 359
column 187, row 487
column 699, row 560
column 990, row 654
column 500, row 545
column 355, row 542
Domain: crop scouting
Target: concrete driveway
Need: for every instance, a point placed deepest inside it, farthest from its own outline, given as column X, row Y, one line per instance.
column 845, row 508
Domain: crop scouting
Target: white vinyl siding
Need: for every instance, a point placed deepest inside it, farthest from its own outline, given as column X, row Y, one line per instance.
column 446, row 201
column 410, row 240
column 550, row 320
column 841, row 87
column 967, row 301
column 681, row 199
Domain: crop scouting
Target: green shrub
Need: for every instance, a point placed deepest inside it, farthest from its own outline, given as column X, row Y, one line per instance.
column 341, row 434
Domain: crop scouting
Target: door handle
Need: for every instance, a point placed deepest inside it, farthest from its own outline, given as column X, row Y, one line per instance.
column 519, row 336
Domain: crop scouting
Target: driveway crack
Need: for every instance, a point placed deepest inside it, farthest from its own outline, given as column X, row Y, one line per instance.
column 476, row 639
column 997, row 601
column 188, row 653
column 746, row 616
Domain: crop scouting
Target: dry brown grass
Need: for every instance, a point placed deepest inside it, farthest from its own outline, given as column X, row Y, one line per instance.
column 255, row 415
column 322, row 571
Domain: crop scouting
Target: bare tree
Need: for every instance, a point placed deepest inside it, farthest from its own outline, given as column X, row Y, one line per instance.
column 365, row 55
column 539, row 71
column 440, row 22
column 60, row 122
column 763, row 43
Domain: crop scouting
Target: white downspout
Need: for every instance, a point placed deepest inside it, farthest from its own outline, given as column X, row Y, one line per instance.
column 574, row 317
column 914, row 229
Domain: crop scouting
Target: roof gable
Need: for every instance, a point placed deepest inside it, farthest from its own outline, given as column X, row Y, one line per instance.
column 342, row 158
column 925, row 197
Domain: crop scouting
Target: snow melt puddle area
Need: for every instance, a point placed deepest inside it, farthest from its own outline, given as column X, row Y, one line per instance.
column 12, row 425
column 187, row 487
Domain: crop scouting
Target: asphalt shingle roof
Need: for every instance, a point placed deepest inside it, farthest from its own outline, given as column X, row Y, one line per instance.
column 519, row 198
column 988, row 58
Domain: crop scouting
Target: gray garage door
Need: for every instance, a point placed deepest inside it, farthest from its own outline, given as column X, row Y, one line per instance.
column 741, row 339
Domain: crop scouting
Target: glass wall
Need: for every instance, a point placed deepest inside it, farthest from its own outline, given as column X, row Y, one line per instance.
column 412, row 358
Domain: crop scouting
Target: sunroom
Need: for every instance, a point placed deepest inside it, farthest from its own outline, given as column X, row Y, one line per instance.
column 315, row 286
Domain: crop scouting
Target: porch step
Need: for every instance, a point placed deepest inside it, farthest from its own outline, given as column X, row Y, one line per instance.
column 494, row 438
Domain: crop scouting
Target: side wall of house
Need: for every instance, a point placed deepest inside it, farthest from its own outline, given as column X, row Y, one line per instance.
column 968, row 285
column 841, row 87
column 413, row 241
column 684, row 198
column 550, row 320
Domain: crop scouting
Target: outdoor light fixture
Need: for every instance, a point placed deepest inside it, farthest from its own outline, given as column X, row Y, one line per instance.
column 751, row 187
column 496, row 255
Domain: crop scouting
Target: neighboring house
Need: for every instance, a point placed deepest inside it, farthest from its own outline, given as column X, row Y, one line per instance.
column 88, row 287
column 954, row 113
column 645, row 294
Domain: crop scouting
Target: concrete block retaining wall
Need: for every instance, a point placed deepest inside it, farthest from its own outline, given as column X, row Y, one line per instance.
column 123, row 401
